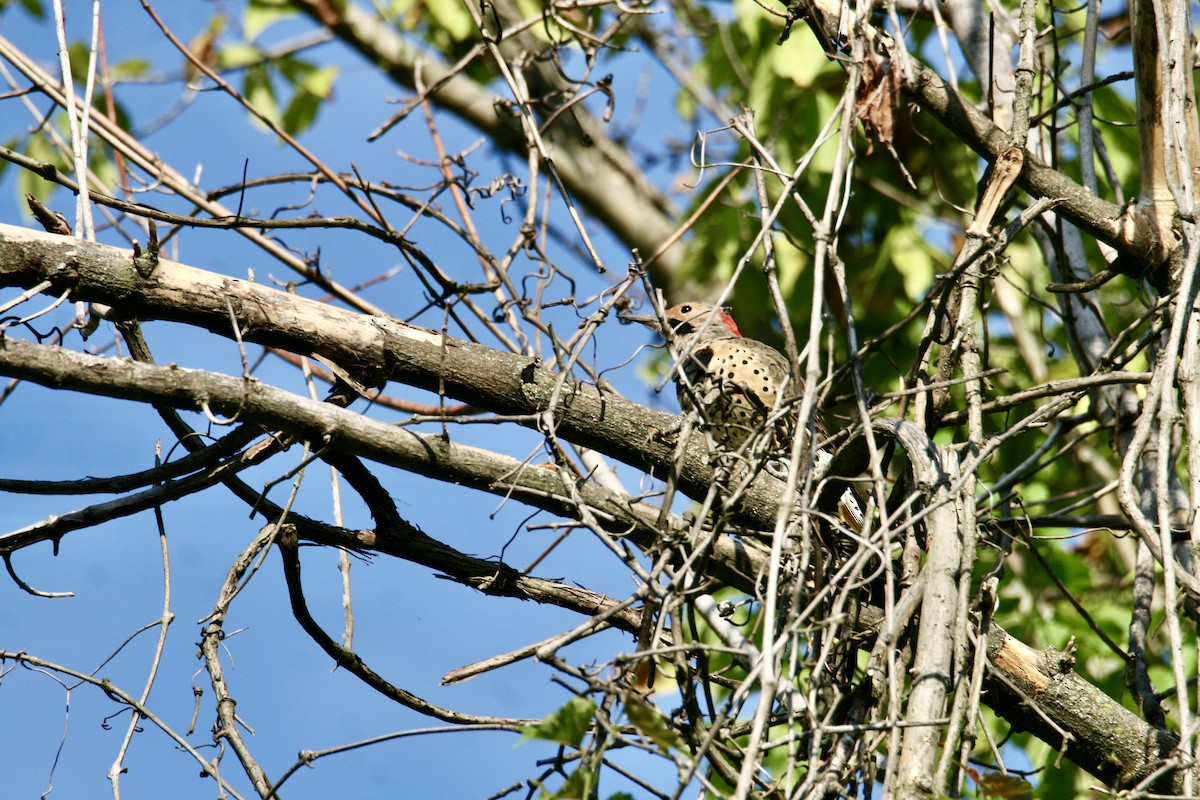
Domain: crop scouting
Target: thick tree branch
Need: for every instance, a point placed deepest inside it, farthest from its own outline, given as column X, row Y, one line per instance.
column 933, row 659
column 329, row 426
column 373, row 348
column 1104, row 737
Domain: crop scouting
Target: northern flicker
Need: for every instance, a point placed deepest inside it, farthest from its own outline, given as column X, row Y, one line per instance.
column 747, row 399
column 741, row 388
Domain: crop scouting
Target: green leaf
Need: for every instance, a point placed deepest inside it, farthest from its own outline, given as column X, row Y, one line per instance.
column 101, row 164
column 300, row 112
column 580, row 783
column 130, row 68
column 313, row 87
column 260, row 93
column 320, row 81
column 565, row 726
column 306, row 76
column 800, row 64
column 261, row 14
column 789, row 266
column 1005, row 787
column 907, row 253
column 29, row 183
column 750, row 20
column 295, row 70
column 452, row 17
column 651, row 723
column 238, row 55
column 79, row 54
column 33, row 7
column 11, row 144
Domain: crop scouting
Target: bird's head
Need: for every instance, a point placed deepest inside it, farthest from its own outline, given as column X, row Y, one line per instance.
column 690, row 319
column 712, row 322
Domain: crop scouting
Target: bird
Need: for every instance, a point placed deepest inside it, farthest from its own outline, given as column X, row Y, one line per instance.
column 742, row 390
column 747, row 398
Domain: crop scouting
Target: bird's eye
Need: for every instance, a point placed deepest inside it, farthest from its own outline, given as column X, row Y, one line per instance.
column 685, row 309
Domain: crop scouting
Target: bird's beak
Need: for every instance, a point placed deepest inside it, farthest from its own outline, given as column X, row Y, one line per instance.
column 649, row 320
